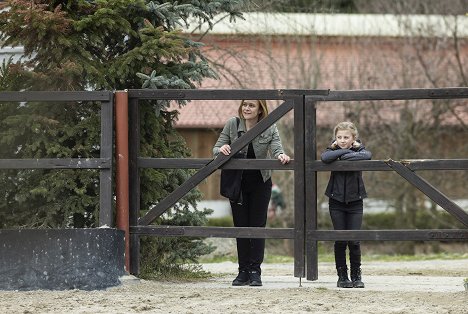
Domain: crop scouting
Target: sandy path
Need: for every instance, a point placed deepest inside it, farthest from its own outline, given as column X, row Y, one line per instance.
column 404, row 287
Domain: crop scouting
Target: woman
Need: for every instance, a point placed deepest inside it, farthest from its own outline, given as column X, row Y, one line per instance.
column 255, row 186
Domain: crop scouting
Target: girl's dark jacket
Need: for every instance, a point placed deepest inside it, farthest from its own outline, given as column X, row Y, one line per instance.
column 346, row 186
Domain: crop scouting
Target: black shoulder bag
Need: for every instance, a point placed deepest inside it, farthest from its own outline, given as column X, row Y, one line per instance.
column 231, row 179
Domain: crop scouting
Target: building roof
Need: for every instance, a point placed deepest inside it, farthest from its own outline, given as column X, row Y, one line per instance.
column 205, row 114
column 369, row 25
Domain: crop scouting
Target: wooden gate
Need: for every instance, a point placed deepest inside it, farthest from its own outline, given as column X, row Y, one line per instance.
column 304, row 165
column 405, row 169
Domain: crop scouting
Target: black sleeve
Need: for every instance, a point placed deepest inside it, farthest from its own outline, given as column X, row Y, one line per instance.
column 361, row 154
column 331, row 155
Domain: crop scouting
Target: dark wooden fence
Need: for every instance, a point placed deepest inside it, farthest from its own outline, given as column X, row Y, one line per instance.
column 304, row 165
column 104, row 163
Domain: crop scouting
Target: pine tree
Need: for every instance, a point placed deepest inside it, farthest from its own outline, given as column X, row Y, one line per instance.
column 97, row 45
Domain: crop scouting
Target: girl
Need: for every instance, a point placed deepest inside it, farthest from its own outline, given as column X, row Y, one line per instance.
column 346, row 192
column 255, row 186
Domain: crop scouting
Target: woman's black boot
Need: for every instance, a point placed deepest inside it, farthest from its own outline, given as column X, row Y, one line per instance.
column 356, row 277
column 242, row 279
column 343, row 280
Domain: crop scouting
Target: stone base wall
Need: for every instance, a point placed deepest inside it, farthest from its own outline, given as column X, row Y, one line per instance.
column 60, row 259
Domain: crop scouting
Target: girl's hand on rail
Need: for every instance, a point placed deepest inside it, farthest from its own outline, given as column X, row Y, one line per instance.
column 283, row 158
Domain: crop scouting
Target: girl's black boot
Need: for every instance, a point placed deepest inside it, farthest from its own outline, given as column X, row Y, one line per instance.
column 343, row 280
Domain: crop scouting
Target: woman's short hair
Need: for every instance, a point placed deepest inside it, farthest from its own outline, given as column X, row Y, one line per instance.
column 262, row 106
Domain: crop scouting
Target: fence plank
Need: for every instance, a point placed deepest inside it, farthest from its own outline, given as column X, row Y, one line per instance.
column 389, row 235
column 396, row 94
column 223, row 94
column 311, row 188
column 105, row 175
column 219, row 232
column 56, row 96
column 134, row 181
column 434, row 194
column 55, row 163
column 436, row 164
column 316, row 165
column 197, row 163
column 236, row 146
column 299, row 188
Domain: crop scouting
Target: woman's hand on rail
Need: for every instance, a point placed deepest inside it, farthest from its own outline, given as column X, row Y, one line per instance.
column 225, row 149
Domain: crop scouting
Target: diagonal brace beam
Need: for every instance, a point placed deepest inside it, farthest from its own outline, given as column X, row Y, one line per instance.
column 211, row 167
column 431, row 192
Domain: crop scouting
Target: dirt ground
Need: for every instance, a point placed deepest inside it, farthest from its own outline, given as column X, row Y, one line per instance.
column 405, row 287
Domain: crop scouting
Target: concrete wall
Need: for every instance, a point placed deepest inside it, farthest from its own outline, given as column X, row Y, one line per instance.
column 60, row 259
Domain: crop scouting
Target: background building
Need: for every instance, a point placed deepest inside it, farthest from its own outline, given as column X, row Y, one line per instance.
column 341, row 52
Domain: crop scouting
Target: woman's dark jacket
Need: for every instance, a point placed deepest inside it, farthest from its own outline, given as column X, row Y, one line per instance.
column 346, row 186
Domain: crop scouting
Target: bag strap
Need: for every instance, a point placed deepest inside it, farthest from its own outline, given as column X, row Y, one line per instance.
column 238, row 122
column 239, row 132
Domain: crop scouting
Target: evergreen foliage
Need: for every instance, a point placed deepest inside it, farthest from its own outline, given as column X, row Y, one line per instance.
column 97, row 45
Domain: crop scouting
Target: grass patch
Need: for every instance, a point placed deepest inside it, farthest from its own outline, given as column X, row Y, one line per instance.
column 272, row 259
column 218, row 259
column 416, row 257
column 182, row 273
column 220, row 222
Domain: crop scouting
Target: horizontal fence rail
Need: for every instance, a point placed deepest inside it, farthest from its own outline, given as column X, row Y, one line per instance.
column 219, row 232
column 395, row 94
column 51, row 96
column 316, row 165
column 198, row 163
column 222, row 94
column 288, row 233
column 55, row 163
column 388, row 235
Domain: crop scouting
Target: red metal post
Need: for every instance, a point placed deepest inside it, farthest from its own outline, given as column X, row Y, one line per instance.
column 122, row 187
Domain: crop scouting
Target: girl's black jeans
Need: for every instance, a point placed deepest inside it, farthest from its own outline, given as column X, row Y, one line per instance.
column 346, row 216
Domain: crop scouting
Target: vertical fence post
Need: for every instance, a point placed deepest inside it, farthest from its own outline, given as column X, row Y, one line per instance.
column 299, row 188
column 311, row 188
column 105, row 175
column 121, row 148
column 134, row 151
